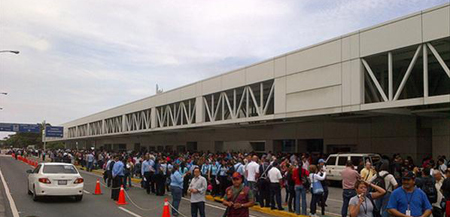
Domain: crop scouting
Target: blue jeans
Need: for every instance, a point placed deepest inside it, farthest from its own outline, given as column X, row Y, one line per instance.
column 89, row 166
column 300, row 191
column 176, row 199
column 382, row 203
column 347, row 194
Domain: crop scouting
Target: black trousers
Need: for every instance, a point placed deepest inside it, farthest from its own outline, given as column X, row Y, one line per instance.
column 223, row 185
column 160, row 180
column 215, row 186
column 147, row 177
column 264, row 193
column 437, row 212
column 316, row 198
column 198, row 207
column 109, row 179
column 275, row 195
column 116, row 183
column 152, row 182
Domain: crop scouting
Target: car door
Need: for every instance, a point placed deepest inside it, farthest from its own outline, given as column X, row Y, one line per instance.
column 32, row 177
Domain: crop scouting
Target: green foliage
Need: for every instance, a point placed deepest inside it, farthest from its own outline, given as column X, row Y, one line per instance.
column 54, row 145
column 22, row 140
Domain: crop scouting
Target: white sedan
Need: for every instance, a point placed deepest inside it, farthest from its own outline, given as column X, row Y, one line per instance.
column 55, row 179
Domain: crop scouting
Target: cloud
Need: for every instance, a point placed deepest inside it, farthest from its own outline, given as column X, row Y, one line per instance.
column 81, row 57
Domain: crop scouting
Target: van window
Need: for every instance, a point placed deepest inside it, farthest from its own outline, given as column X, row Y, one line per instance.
column 331, row 161
column 342, row 161
column 355, row 160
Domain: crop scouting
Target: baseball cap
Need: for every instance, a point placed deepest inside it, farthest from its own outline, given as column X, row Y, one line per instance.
column 409, row 175
column 237, row 175
column 321, row 161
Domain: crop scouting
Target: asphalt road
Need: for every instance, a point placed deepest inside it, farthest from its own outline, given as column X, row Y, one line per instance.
column 91, row 205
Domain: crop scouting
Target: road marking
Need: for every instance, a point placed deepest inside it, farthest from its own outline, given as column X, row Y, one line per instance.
column 213, row 206
column 87, row 192
column 129, row 212
column 12, row 204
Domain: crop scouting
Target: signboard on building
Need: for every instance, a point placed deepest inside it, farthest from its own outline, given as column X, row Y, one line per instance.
column 53, row 131
column 20, row 128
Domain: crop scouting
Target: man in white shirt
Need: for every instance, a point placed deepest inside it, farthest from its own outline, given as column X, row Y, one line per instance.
column 251, row 172
column 275, row 188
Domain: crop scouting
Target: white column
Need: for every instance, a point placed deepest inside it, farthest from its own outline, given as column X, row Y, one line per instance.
column 153, row 117
column 199, row 110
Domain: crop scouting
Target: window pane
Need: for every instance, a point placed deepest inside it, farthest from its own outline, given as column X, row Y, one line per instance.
column 342, row 161
column 68, row 169
column 331, row 161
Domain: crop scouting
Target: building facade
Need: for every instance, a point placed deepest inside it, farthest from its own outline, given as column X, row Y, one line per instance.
column 383, row 89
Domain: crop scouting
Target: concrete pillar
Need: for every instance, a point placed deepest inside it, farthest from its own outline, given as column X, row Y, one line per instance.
column 153, row 117
column 199, row 110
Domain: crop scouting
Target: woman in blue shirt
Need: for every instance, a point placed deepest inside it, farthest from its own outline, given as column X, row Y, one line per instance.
column 176, row 188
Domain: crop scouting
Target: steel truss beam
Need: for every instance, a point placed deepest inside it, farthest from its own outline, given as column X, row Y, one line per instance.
column 391, row 97
column 230, row 109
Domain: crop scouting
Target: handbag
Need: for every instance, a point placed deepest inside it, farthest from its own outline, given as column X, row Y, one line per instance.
column 225, row 214
column 376, row 211
column 317, row 187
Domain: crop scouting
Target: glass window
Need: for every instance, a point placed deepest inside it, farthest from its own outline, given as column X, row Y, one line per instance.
column 65, row 169
column 36, row 170
column 331, row 161
column 355, row 160
column 342, row 161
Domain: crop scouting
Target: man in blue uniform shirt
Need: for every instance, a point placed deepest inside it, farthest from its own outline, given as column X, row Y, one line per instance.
column 117, row 175
column 409, row 200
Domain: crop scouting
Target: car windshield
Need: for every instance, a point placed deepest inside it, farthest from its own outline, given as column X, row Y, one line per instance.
column 67, row 169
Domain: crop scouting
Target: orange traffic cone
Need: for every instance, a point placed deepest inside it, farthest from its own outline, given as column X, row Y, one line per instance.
column 121, row 200
column 98, row 190
column 166, row 210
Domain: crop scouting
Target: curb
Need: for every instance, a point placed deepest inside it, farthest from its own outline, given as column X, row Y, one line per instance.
column 261, row 209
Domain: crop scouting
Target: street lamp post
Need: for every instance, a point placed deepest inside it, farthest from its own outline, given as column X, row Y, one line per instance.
column 10, row 51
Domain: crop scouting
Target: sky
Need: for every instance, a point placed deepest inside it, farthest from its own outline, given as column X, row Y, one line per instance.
column 81, row 57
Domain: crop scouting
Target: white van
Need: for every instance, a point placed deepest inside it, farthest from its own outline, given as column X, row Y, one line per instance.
column 336, row 163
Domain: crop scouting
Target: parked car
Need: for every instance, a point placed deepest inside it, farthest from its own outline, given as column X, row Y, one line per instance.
column 55, row 179
column 335, row 163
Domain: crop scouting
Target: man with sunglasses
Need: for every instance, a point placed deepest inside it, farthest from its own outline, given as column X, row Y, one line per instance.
column 238, row 198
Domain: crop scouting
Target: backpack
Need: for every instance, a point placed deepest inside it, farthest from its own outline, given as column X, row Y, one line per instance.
column 305, row 181
column 429, row 189
column 380, row 181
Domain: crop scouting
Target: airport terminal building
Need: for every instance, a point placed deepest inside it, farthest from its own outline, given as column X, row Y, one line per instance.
column 383, row 89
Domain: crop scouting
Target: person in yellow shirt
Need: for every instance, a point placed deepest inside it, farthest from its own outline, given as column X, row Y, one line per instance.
column 367, row 172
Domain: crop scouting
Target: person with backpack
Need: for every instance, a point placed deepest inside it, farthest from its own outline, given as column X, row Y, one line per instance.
column 409, row 200
column 363, row 205
column 387, row 181
column 264, row 183
column 427, row 184
column 302, row 183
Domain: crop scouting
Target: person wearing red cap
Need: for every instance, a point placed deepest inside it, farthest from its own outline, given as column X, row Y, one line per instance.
column 238, row 198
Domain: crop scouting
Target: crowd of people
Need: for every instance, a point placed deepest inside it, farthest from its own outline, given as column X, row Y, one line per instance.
column 390, row 187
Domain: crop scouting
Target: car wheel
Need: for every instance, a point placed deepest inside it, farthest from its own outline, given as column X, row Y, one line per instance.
column 35, row 197
column 78, row 198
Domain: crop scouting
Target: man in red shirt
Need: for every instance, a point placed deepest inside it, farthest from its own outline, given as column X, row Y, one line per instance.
column 349, row 178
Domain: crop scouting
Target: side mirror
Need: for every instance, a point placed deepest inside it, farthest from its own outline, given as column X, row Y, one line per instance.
column 29, row 171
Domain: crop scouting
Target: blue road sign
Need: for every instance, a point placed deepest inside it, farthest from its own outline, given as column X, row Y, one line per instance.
column 20, row 128
column 52, row 131
column 30, row 128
